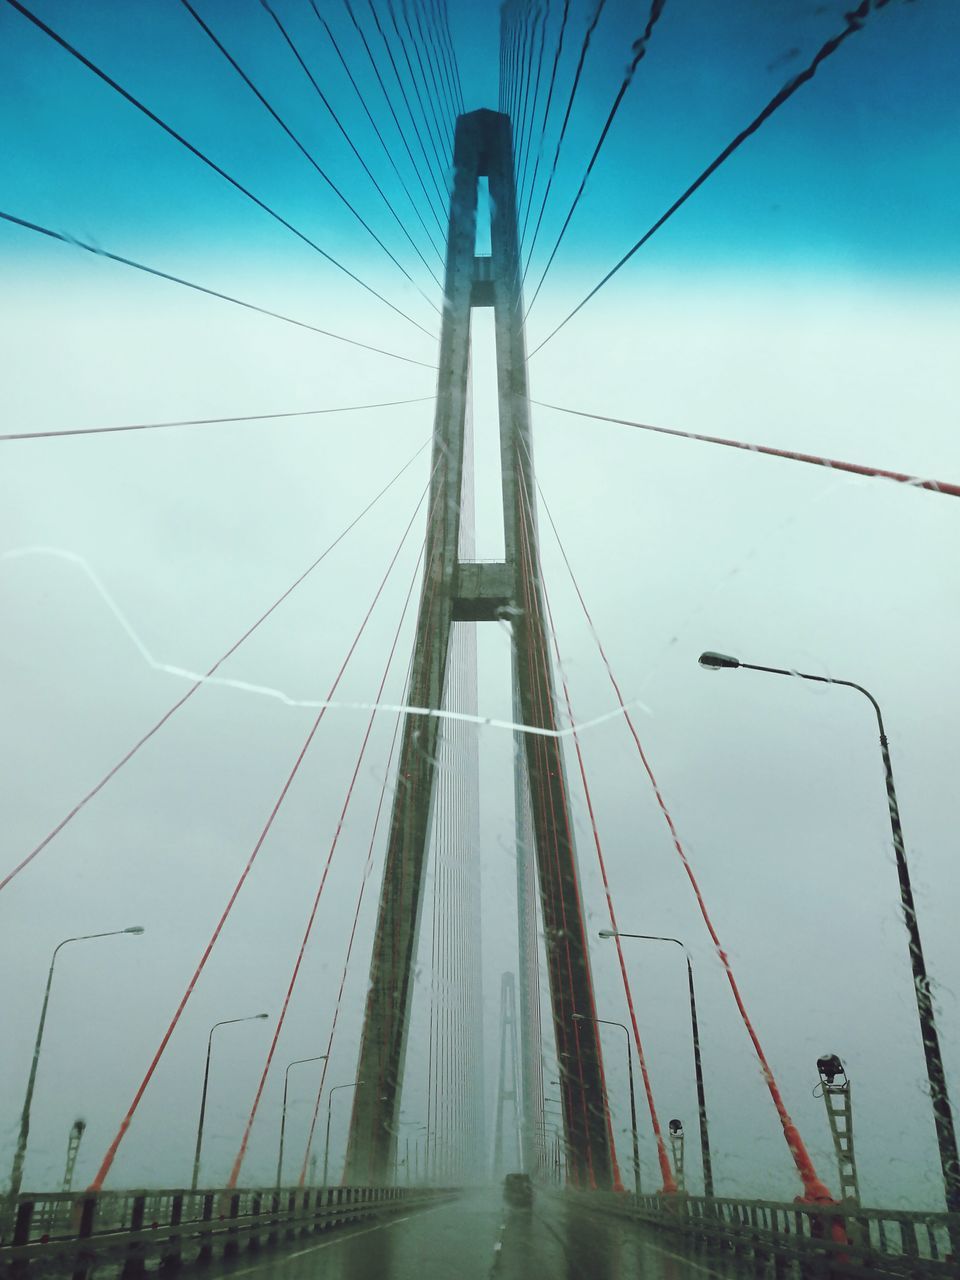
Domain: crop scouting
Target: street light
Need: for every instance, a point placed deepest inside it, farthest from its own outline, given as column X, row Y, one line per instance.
column 16, row 1175
column 253, row 1017
column 326, row 1149
column 942, row 1115
column 606, row 1022
column 697, row 1065
column 283, row 1113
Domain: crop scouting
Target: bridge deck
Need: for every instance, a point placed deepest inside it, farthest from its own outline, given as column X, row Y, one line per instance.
column 477, row 1236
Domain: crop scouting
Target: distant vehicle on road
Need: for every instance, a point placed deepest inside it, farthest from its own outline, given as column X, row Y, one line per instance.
column 518, row 1190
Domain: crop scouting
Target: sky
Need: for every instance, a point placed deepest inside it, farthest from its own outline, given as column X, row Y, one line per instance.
column 805, row 298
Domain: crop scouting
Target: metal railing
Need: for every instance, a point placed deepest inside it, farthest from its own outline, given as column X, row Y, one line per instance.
column 75, row 1232
column 842, row 1239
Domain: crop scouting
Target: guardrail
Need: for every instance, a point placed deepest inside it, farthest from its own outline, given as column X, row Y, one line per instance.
column 844, row 1239
column 75, row 1232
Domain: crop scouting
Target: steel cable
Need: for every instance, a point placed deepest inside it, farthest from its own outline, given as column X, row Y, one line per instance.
column 110, row 1156
column 639, row 52
column 205, row 422
column 129, row 754
column 201, row 288
column 351, row 144
column 854, row 22
column 584, row 48
column 206, row 160
column 380, row 138
column 400, row 130
column 304, row 151
column 546, row 115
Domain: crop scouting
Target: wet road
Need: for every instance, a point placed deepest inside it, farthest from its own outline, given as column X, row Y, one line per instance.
column 477, row 1237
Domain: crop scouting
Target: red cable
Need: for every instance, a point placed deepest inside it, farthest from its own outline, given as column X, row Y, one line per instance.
column 814, row 1189
column 552, row 888
column 541, row 747
column 343, row 976
column 193, row 688
column 937, row 486
column 669, row 1183
column 235, row 1171
column 204, row 422
column 125, row 1123
column 368, row 866
column 426, row 604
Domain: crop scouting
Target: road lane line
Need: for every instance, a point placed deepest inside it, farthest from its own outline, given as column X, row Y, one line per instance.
column 327, row 1244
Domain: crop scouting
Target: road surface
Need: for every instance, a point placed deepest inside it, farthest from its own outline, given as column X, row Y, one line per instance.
column 478, row 1237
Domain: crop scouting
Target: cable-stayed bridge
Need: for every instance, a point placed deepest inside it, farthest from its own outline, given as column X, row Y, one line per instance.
column 469, row 199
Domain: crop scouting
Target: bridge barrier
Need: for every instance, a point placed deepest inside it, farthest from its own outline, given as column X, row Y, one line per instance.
column 844, row 1239
column 74, row 1232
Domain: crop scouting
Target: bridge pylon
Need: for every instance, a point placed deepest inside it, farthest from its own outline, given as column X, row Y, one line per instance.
column 456, row 590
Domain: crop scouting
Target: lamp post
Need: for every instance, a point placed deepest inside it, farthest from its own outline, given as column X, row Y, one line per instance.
column 939, row 1098
column 326, row 1148
column 283, row 1113
column 16, row 1174
column 418, row 1128
column 697, row 1064
column 606, row 1022
column 253, row 1017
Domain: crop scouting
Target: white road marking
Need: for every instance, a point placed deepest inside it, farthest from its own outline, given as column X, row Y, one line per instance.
column 328, row 1244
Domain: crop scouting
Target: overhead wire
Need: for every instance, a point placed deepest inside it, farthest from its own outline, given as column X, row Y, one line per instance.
column 334, row 116
column 833, row 464
column 523, row 84
column 543, row 712
column 205, row 422
column 501, row 51
column 201, row 288
column 305, row 151
column 442, row 102
column 669, row 1182
column 814, row 1189
column 427, row 579
column 584, row 49
column 452, row 51
column 431, row 119
column 639, row 53
column 338, row 830
column 367, row 869
column 531, row 88
column 108, row 1159
column 210, row 163
column 380, row 138
column 527, row 144
column 519, row 53
column 415, row 164
column 855, row 21
column 431, row 167
column 171, row 711
column 546, row 116
column 508, row 31
column 432, row 40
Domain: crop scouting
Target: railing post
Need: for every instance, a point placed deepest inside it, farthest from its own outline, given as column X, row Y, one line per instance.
column 23, row 1222
column 206, row 1248
column 134, row 1267
column 253, row 1244
column 88, row 1213
column 172, row 1258
column 274, row 1233
column 232, row 1246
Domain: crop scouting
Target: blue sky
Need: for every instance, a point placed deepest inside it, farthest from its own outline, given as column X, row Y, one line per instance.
column 858, row 170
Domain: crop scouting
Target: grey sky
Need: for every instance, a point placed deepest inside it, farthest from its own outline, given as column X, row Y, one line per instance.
column 776, row 787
